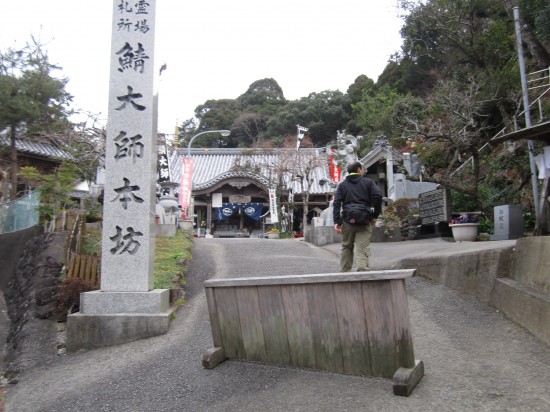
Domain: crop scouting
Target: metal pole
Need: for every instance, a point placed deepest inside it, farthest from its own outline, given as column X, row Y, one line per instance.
column 527, row 113
column 209, row 206
column 222, row 132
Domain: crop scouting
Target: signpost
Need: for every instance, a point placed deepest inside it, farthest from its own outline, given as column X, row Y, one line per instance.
column 435, row 206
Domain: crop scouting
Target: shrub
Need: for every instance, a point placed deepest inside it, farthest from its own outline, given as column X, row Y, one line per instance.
column 390, row 219
column 69, row 296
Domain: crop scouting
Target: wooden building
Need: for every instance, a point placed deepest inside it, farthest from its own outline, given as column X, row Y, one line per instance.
column 40, row 152
column 231, row 187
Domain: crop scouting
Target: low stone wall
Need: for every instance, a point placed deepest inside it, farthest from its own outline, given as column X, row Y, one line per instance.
column 322, row 235
column 532, row 263
column 12, row 246
column 379, row 235
column 514, row 280
column 165, row 230
column 473, row 273
column 524, row 295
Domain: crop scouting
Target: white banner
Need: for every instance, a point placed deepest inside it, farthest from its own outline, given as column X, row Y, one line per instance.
column 217, row 199
column 273, row 205
column 300, row 135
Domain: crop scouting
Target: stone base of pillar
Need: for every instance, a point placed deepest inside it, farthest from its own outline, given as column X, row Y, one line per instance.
column 115, row 318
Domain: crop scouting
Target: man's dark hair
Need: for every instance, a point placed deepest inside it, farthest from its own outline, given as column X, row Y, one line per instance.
column 354, row 167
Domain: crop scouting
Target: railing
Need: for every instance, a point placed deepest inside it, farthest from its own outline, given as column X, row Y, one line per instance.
column 539, row 82
column 20, row 214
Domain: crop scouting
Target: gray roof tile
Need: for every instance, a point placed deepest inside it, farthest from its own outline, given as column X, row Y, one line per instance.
column 213, row 165
column 39, row 148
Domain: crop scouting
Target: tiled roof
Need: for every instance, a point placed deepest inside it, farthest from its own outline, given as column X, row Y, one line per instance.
column 78, row 194
column 378, row 153
column 214, row 165
column 39, row 148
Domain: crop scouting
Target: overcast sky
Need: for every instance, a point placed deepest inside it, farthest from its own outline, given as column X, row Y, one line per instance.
column 214, row 49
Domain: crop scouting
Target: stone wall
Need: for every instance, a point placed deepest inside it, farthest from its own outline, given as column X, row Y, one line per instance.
column 30, row 297
column 11, row 247
column 322, row 235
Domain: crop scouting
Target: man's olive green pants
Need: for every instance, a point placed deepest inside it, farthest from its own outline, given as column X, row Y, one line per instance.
column 355, row 240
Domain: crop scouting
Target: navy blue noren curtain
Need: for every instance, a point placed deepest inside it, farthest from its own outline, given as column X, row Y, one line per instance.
column 250, row 210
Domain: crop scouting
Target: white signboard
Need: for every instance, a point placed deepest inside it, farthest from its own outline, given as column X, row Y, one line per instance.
column 217, row 199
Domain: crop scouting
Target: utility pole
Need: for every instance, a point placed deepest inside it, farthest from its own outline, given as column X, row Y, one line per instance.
column 527, row 114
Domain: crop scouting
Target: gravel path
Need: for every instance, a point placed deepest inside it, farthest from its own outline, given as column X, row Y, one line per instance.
column 475, row 359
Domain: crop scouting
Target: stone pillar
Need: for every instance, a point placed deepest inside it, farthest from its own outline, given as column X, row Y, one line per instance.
column 508, row 222
column 127, row 267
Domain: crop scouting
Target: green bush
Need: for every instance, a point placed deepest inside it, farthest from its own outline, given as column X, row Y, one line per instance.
column 485, row 226
column 172, row 254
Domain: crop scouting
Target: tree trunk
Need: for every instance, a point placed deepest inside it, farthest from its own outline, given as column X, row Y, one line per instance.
column 4, row 185
column 14, row 166
column 537, row 50
column 305, row 204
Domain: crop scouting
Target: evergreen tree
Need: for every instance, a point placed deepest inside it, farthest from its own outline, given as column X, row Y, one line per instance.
column 31, row 99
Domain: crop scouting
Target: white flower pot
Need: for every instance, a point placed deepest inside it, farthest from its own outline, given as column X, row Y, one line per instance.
column 464, row 232
column 273, row 235
column 185, row 224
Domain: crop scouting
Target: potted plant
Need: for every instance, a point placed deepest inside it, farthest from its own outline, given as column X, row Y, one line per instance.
column 465, row 227
column 273, row 233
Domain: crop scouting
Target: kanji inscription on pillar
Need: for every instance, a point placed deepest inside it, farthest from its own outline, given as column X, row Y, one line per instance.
column 130, row 161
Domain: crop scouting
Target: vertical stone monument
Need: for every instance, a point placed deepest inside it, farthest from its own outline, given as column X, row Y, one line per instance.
column 127, row 307
column 508, row 222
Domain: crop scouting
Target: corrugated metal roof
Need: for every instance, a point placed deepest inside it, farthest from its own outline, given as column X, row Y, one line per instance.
column 213, row 165
column 39, row 148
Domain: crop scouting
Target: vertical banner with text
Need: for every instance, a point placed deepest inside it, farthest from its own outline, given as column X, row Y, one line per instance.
column 335, row 171
column 274, row 213
column 186, row 185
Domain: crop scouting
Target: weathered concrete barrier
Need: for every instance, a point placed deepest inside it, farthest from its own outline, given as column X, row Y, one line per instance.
column 524, row 295
column 355, row 322
column 514, row 279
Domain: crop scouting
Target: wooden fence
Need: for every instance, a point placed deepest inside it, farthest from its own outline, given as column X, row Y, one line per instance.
column 80, row 265
column 85, row 267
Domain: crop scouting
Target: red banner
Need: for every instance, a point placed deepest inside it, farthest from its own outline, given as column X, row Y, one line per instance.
column 186, row 184
column 335, row 171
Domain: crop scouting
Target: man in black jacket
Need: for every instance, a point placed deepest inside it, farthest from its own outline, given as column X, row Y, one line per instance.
column 357, row 202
